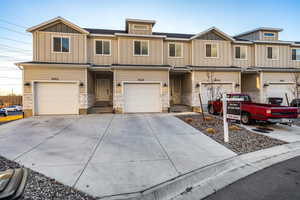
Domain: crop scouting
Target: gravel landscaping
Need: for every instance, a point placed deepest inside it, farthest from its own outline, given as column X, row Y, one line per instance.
column 240, row 140
column 40, row 187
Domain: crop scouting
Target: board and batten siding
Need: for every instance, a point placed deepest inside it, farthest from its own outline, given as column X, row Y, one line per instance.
column 42, row 48
column 127, row 52
column 140, row 32
column 184, row 60
column 248, row 62
column 285, row 57
column 224, row 53
column 102, row 59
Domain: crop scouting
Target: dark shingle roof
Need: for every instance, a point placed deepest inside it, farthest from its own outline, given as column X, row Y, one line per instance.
column 109, row 31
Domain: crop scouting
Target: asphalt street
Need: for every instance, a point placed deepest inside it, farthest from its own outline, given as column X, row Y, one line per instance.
column 278, row 182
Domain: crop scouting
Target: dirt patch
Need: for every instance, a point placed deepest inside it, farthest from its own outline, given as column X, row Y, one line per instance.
column 240, row 140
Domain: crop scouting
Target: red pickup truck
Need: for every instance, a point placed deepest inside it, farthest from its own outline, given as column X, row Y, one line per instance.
column 251, row 112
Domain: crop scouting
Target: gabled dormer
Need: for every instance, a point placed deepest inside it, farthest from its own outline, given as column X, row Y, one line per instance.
column 139, row 26
column 263, row 34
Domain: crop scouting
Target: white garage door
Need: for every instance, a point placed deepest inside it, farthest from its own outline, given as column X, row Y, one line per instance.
column 279, row 90
column 142, row 98
column 213, row 91
column 56, row 98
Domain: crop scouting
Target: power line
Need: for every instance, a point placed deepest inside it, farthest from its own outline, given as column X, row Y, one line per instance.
column 5, row 38
column 7, row 46
column 5, row 21
column 8, row 29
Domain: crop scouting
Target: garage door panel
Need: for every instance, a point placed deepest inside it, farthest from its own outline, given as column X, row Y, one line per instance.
column 142, row 98
column 56, row 98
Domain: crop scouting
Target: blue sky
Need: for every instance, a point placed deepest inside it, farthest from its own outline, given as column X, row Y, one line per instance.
column 180, row 16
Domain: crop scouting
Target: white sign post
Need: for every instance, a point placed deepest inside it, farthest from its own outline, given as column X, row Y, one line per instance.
column 227, row 116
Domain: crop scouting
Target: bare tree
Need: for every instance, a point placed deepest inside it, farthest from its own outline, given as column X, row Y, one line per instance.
column 214, row 89
column 295, row 88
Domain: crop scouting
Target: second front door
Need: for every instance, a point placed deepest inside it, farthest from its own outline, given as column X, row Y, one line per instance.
column 102, row 89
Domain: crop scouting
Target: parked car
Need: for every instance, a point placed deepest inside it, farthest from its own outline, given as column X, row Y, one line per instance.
column 295, row 103
column 251, row 112
column 3, row 112
column 13, row 108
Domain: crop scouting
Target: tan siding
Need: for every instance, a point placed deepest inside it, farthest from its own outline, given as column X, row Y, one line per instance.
column 102, row 59
column 47, row 73
column 284, row 57
column 44, row 52
column 126, row 52
column 224, row 54
column 178, row 62
column 200, row 76
column 146, row 75
column 143, row 32
column 240, row 62
column 278, row 77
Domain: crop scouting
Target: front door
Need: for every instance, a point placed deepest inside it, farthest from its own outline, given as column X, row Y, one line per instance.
column 102, row 89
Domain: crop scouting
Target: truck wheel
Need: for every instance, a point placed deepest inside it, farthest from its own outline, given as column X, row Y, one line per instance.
column 245, row 118
column 211, row 110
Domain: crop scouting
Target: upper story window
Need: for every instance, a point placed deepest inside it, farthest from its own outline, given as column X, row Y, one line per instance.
column 140, row 27
column 296, row 54
column 102, row 47
column 269, row 34
column 61, row 44
column 211, row 50
column 241, row 52
column 141, row 47
column 273, row 53
column 175, row 50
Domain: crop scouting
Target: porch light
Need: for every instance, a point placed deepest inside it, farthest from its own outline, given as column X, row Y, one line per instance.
column 298, row 84
column 27, row 84
column 165, row 85
column 266, row 84
column 197, row 85
column 119, row 84
column 237, row 85
column 81, row 84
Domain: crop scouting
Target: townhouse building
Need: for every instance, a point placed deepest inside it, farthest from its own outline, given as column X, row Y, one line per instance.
column 139, row 70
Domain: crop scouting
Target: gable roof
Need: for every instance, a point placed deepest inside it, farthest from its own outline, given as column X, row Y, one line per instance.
column 260, row 29
column 216, row 30
column 54, row 20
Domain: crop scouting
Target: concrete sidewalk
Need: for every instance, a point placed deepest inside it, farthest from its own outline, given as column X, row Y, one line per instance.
column 109, row 154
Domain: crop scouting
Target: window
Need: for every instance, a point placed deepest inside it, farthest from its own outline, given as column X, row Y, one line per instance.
column 102, row 47
column 140, row 27
column 175, row 50
column 241, row 52
column 61, row 44
column 141, row 48
column 273, row 53
column 269, row 34
column 296, row 54
column 211, row 50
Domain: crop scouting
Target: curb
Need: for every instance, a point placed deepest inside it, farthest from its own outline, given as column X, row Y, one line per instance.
column 205, row 181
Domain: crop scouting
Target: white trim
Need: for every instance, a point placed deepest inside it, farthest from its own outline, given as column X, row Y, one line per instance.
column 175, row 43
column 94, row 46
column 272, row 52
column 215, row 29
column 291, row 52
column 177, row 39
column 33, row 82
column 133, row 47
column 60, row 36
column 211, row 43
column 140, row 35
column 140, row 29
column 31, row 29
column 101, row 35
column 140, row 20
column 246, row 54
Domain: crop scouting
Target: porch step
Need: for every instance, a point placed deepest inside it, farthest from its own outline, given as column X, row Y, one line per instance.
column 102, row 104
column 180, row 108
column 100, row 110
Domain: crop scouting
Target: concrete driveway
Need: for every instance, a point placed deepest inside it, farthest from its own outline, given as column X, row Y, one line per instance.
column 109, row 154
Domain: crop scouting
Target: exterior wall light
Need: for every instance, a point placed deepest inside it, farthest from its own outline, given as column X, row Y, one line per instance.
column 237, row 85
column 27, row 84
column 81, row 84
column 165, row 85
column 197, row 85
column 119, row 84
column 266, row 84
column 298, row 84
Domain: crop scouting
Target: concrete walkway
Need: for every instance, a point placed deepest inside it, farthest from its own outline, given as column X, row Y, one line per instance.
column 109, row 154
